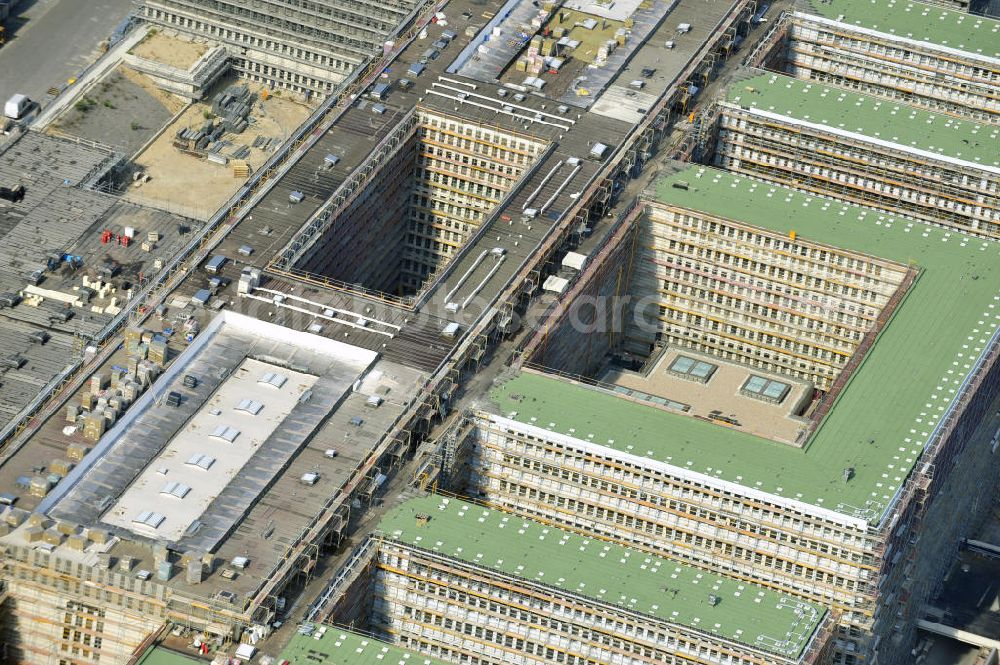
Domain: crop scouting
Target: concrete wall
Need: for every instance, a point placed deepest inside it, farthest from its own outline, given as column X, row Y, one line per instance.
column 365, row 243
column 592, row 327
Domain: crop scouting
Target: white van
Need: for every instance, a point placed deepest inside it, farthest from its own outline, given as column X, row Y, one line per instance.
column 16, row 107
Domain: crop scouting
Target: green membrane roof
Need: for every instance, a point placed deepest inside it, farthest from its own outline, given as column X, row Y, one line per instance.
column 870, row 116
column 644, row 583
column 886, row 415
column 340, row 647
column 917, row 21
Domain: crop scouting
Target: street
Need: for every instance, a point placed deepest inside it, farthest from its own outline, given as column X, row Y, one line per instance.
column 51, row 41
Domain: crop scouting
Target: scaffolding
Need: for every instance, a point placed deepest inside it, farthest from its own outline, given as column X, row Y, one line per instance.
column 914, row 72
column 494, row 613
column 860, row 170
column 401, row 217
column 652, row 510
column 762, row 299
column 306, row 47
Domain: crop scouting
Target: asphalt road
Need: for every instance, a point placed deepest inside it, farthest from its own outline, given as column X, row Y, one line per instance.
column 50, row 41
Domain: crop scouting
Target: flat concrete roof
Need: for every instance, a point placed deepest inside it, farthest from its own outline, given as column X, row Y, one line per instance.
column 870, row 118
column 233, row 359
column 887, row 414
column 721, row 395
column 917, row 21
column 58, row 215
column 616, row 11
column 211, row 448
column 162, row 656
column 565, row 562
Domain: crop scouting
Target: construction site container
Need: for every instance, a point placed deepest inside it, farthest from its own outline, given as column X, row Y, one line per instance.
column 201, row 297
column 215, row 264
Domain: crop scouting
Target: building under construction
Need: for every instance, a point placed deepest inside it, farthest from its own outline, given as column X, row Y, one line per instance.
column 714, row 428
column 861, row 149
column 438, row 180
column 304, row 47
column 182, row 506
column 938, row 59
column 465, row 583
column 916, row 53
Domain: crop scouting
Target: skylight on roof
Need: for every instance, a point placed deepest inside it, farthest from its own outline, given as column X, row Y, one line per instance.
column 179, row 490
column 273, row 379
column 201, row 460
column 149, row 518
column 766, row 389
column 226, row 433
column 690, row 368
column 251, row 406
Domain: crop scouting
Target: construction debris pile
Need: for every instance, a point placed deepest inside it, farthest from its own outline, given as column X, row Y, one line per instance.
column 233, row 106
column 107, row 400
column 231, row 109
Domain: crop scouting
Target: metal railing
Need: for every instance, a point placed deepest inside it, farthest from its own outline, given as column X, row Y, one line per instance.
column 360, row 557
column 320, row 221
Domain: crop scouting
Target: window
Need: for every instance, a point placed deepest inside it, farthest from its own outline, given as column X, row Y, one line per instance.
column 148, row 518
column 178, row 490
column 201, row 461
column 225, row 433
